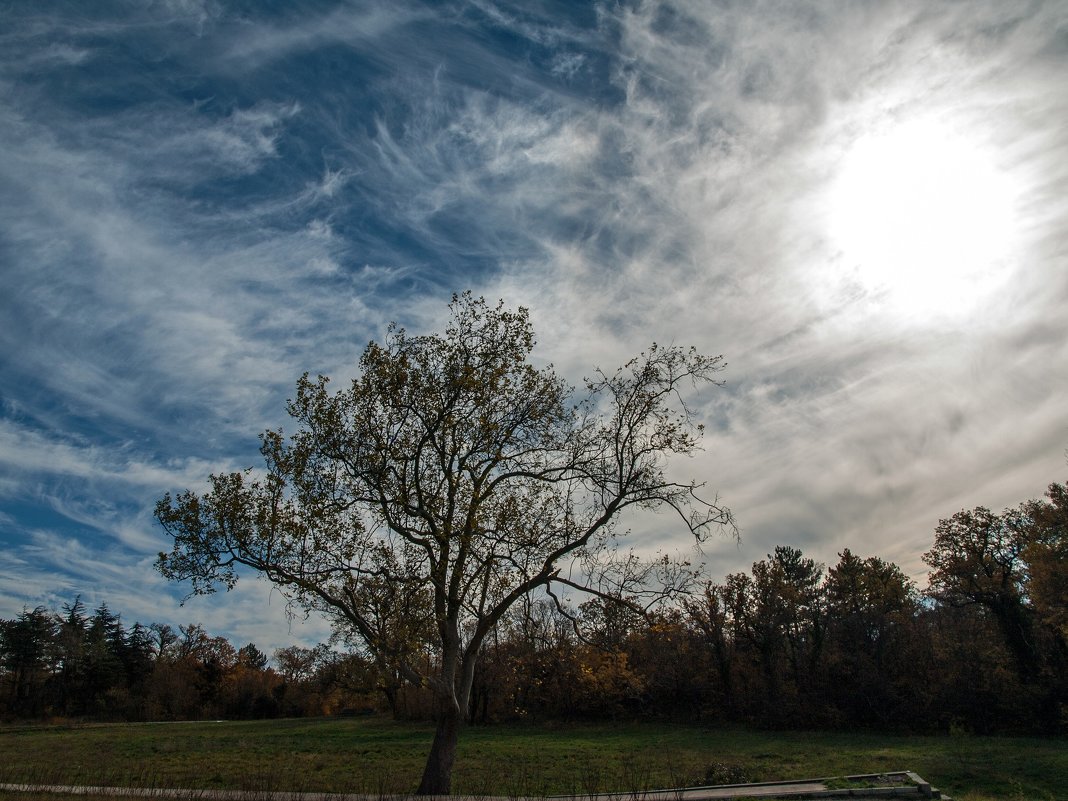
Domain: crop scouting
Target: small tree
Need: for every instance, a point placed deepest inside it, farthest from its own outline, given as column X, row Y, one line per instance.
column 449, row 480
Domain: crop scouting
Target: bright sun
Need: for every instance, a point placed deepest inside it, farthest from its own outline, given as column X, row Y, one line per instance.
column 922, row 218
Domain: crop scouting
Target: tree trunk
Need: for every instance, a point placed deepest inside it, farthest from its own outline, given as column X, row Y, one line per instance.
column 437, row 775
column 1015, row 623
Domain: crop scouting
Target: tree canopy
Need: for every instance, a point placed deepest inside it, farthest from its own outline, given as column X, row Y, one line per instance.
column 449, row 480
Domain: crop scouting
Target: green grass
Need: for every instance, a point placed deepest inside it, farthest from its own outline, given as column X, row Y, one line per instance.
column 379, row 755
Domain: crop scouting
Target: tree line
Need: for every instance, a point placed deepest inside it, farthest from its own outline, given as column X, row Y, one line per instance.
column 790, row 643
column 82, row 665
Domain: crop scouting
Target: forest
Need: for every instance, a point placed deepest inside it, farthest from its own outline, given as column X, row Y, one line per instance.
column 790, row 644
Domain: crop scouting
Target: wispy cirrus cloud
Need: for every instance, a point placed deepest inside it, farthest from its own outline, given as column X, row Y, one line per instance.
column 841, row 426
column 196, row 206
column 361, row 25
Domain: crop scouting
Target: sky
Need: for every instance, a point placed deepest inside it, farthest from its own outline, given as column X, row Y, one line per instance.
column 863, row 206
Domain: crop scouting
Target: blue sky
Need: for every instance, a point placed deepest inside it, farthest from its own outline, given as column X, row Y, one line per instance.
column 862, row 206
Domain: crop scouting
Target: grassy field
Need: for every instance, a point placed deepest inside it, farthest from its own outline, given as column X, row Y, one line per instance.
column 378, row 755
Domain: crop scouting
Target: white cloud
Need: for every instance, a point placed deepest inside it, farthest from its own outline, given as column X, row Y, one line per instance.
column 177, row 262
column 241, row 140
column 60, row 53
column 361, row 23
column 844, row 427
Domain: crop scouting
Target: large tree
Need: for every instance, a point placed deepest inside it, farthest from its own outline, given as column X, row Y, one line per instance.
column 449, row 480
column 1047, row 559
column 871, row 645
column 26, row 651
column 978, row 559
column 780, row 614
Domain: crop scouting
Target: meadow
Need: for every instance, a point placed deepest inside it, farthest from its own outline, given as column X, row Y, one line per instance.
column 380, row 755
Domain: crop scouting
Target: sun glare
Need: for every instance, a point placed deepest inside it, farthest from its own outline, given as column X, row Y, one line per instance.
column 922, row 218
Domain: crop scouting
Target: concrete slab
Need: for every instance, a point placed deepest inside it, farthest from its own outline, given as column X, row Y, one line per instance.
column 901, row 784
